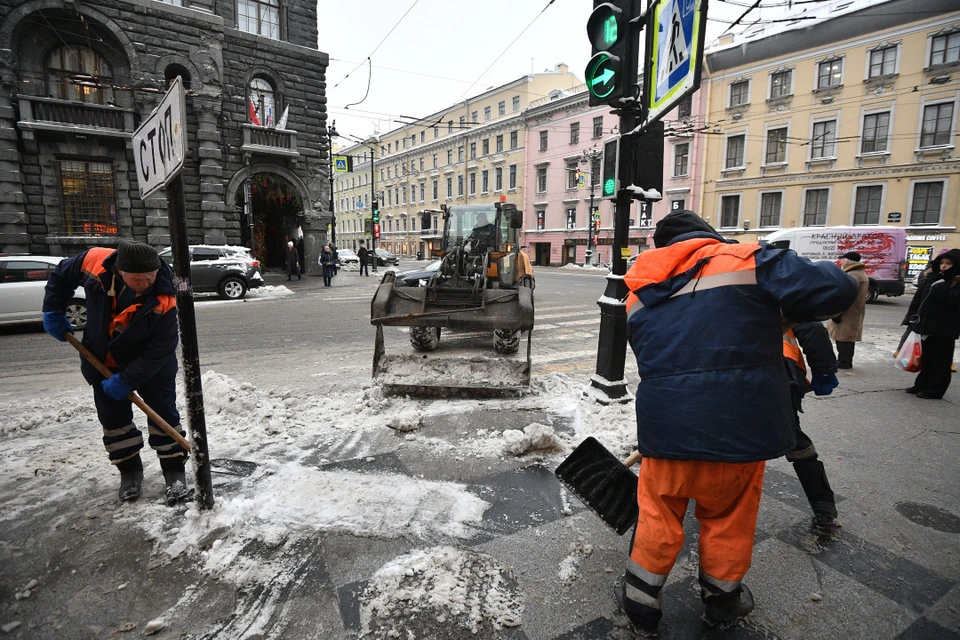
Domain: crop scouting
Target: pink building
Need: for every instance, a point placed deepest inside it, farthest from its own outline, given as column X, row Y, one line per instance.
column 563, row 135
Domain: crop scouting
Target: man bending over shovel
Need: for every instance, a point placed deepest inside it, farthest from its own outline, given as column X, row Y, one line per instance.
column 713, row 403
column 132, row 329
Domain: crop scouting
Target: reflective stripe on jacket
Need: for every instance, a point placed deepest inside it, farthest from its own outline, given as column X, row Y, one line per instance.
column 791, row 350
column 704, row 323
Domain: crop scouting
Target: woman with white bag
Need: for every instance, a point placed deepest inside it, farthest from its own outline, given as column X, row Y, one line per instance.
column 935, row 315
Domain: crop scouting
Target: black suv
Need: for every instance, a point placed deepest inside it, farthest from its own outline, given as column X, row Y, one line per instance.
column 385, row 258
column 225, row 269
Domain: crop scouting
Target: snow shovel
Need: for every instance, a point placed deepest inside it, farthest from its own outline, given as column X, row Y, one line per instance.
column 602, row 482
column 132, row 396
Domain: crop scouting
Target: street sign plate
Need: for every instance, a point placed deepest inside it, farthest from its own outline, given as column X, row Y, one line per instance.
column 674, row 55
column 341, row 164
column 160, row 144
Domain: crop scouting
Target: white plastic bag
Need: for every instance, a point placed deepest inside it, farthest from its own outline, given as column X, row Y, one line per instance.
column 908, row 358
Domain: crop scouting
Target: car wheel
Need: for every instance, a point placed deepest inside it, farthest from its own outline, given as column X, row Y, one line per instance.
column 425, row 338
column 506, row 341
column 232, row 288
column 77, row 314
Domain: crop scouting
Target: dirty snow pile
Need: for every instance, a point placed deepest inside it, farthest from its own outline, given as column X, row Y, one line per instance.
column 454, row 587
column 534, row 436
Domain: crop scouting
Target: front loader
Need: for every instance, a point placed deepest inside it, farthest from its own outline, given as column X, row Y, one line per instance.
column 484, row 284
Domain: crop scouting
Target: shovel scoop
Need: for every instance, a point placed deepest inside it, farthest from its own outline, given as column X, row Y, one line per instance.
column 603, row 483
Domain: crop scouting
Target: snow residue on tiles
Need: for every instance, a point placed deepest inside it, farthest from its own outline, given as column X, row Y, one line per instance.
column 569, row 569
column 460, row 588
column 26, row 415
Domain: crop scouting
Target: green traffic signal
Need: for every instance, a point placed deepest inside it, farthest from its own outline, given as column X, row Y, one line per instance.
column 603, row 26
column 602, row 75
column 610, row 30
column 609, row 187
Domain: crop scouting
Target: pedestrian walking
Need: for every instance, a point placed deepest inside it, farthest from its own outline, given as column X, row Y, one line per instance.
column 712, row 405
column 132, row 329
column 847, row 328
column 808, row 342
column 293, row 261
column 934, row 314
column 336, row 259
column 363, row 255
column 327, row 262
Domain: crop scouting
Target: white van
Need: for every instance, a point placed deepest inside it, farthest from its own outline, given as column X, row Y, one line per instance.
column 882, row 249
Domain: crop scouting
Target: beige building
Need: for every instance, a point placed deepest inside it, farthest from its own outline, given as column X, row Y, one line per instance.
column 469, row 153
column 849, row 121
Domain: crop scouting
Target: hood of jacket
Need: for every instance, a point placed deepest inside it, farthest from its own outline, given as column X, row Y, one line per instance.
column 953, row 254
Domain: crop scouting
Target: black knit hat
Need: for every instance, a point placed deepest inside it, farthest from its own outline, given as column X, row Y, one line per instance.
column 137, row 257
column 851, row 255
column 677, row 223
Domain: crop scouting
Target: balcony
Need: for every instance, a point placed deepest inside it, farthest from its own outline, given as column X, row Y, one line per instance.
column 68, row 116
column 269, row 141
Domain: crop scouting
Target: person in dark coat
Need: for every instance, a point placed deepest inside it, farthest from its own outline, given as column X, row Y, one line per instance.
column 132, row 329
column 847, row 328
column 327, row 261
column 935, row 314
column 364, row 255
column 336, row 259
column 293, row 261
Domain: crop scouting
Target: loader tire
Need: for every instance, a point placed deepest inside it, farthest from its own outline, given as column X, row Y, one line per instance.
column 425, row 338
column 506, row 341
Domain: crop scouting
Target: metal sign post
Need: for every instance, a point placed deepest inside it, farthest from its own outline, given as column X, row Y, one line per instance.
column 159, row 147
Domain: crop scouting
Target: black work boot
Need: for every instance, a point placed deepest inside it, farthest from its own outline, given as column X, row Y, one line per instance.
column 644, row 620
column 176, row 478
column 722, row 609
column 131, row 479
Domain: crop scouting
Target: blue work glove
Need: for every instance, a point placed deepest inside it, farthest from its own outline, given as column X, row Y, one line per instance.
column 115, row 387
column 823, row 384
column 56, row 324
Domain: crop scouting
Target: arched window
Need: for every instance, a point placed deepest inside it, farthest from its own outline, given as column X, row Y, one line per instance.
column 76, row 72
column 171, row 72
column 263, row 107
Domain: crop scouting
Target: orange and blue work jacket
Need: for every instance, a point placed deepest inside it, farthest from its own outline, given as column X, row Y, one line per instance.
column 139, row 339
column 703, row 319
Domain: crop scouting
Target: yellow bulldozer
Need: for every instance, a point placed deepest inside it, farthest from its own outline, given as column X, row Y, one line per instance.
column 482, row 288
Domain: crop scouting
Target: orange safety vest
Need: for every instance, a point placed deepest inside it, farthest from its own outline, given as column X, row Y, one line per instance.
column 791, row 349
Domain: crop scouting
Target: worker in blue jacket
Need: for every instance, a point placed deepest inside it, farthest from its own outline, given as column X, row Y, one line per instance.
column 713, row 403
column 132, row 329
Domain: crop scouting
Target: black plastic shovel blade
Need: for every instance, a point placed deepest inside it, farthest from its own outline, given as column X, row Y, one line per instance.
column 228, row 467
column 602, row 483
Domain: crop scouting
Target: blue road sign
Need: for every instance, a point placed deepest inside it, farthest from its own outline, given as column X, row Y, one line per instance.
column 341, row 164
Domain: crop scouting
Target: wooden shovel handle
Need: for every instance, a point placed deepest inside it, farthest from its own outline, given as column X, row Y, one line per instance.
column 632, row 459
column 132, row 396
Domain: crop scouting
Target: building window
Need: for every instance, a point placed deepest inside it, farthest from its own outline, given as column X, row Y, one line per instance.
column 883, row 62
column 436, row 190
column 501, row 107
column 543, row 141
column 389, row 198
column 449, row 156
column 937, row 119
column 729, row 211
column 473, row 150
column 436, row 131
column 463, row 121
column 473, row 118
column 594, row 172
column 423, row 188
column 875, row 130
column 389, row 147
column 735, row 146
column 70, row 60
column 473, row 183
column 945, row 48
column 516, row 103
column 541, row 219
column 264, row 102
column 498, row 179
column 824, row 143
column 574, row 132
column 460, row 153
column 571, row 218
column 421, row 164
column 486, row 113
column 739, row 93
column 776, row 146
column 88, row 198
column 770, row 204
column 500, row 143
column 684, row 109
column 829, row 74
column 460, row 186
column 927, row 198
column 449, row 188
column 514, row 138
column 572, row 172
column 449, row 126
column 423, row 136
column 260, row 17
column 485, row 181
column 867, row 207
column 541, row 179
column 815, row 208
column 413, row 193
column 513, row 177
column 780, row 84
column 485, row 146
column 598, row 127
column 404, row 142
column 681, row 159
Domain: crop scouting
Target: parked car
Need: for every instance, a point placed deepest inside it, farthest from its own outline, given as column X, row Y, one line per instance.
column 224, row 269
column 348, row 258
column 384, row 258
column 22, row 282
column 418, row 277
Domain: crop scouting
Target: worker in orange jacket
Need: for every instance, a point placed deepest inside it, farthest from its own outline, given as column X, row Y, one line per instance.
column 713, row 403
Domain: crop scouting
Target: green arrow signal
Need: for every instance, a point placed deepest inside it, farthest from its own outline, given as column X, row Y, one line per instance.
column 603, row 78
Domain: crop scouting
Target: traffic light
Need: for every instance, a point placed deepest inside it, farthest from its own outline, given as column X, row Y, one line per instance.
column 609, row 185
column 376, row 230
column 376, row 212
column 596, row 221
column 611, row 73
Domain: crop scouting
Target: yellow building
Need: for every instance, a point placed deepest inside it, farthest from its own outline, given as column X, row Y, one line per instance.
column 846, row 118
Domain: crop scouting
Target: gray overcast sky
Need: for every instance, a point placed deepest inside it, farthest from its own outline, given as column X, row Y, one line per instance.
column 442, row 47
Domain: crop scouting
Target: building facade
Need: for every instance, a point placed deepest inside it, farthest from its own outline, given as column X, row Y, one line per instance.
column 849, row 121
column 565, row 139
column 76, row 80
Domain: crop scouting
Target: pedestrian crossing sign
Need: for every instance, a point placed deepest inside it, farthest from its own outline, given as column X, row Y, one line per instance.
column 342, row 164
column 581, row 179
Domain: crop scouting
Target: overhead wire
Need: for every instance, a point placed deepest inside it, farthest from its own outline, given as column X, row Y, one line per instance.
column 379, row 44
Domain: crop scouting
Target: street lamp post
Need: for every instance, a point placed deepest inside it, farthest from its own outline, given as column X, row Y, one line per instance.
column 331, row 134
column 591, row 157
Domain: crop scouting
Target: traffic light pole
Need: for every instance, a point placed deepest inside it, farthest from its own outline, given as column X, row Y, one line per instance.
column 373, row 205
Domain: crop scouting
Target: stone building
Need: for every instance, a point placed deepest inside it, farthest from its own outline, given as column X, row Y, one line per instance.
column 77, row 78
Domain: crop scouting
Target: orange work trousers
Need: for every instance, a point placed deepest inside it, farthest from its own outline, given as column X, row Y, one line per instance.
column 728, row 497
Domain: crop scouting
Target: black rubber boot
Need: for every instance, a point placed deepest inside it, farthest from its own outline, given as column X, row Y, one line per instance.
column 131, row 479
column 643, row 620
column 175, row 477
column 723, row 610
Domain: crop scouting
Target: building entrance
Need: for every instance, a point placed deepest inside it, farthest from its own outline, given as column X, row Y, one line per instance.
column 276, row 205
